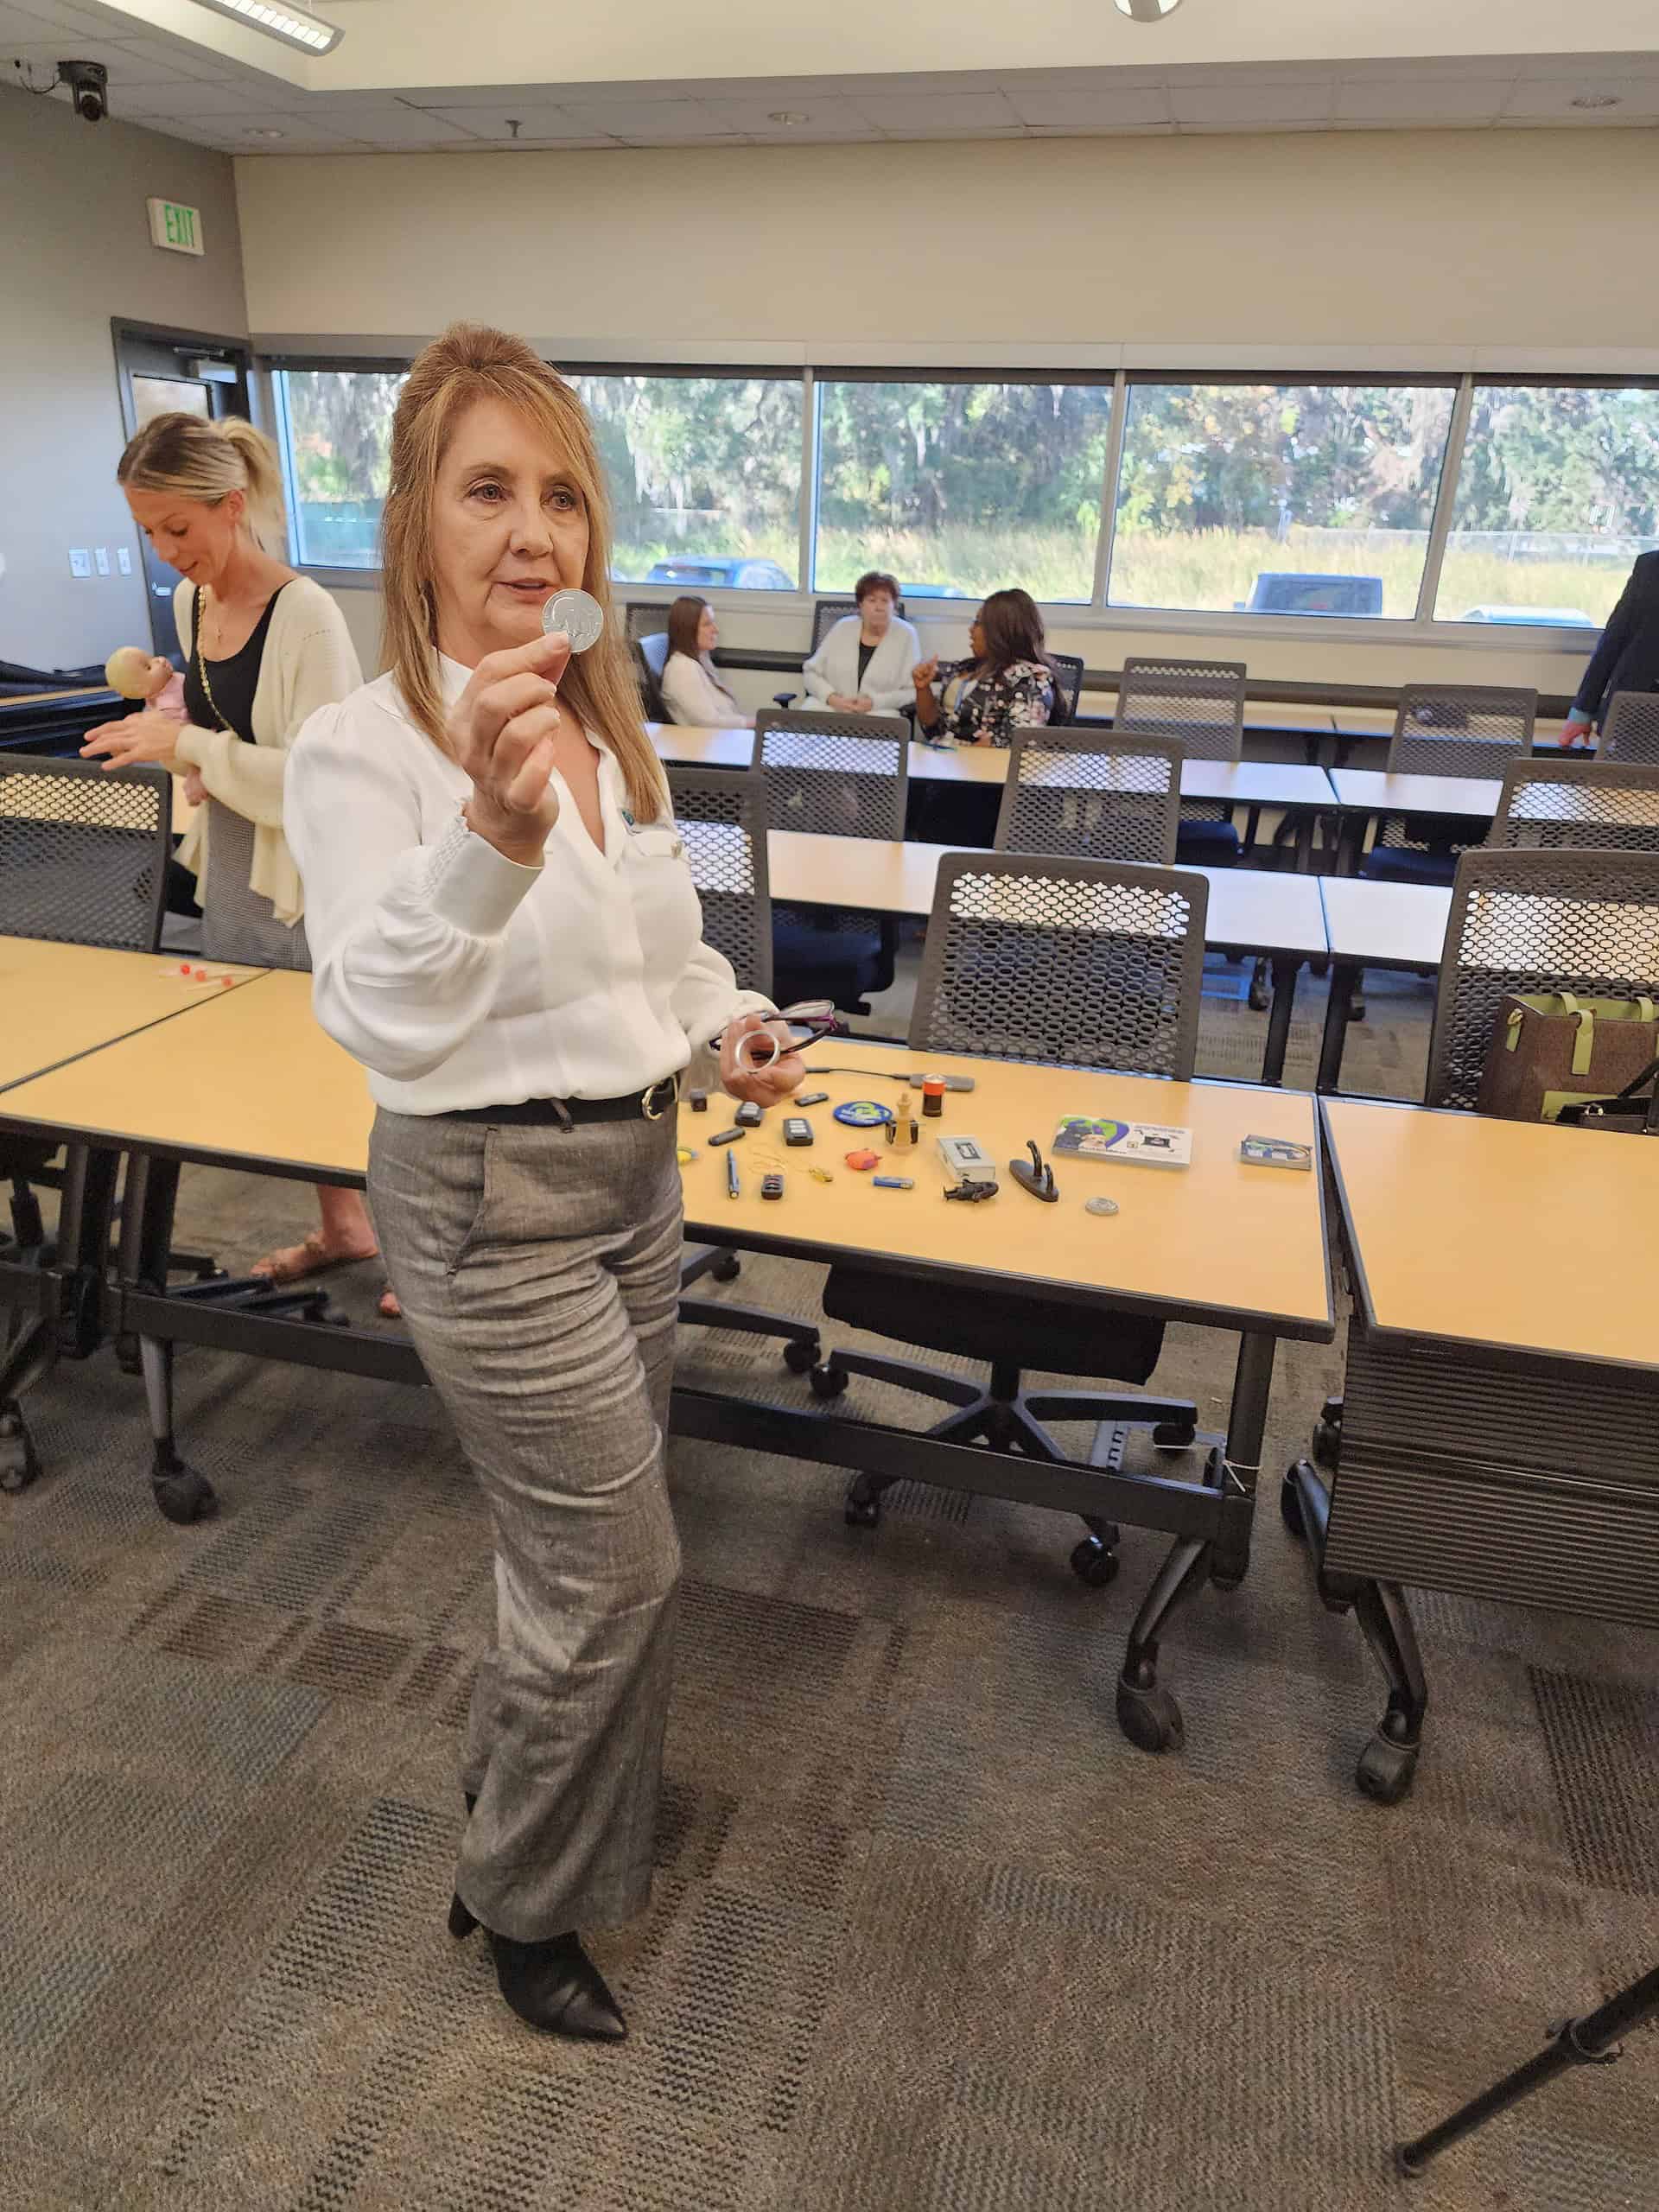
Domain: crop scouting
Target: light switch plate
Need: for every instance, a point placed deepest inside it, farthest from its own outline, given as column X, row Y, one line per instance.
column 102, row 557
column 80, row 560
column 124, row 559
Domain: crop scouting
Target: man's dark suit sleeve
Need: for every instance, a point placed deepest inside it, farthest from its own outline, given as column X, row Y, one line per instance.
column 1614, row 638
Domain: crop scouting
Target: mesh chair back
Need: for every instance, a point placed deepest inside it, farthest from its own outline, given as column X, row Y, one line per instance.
column 649, row 658
column 826, row 613
column 1200, row 704
column 1069, row 666
column 1536, row 921
column 1438, row 727
column 645, row 620
column 1084, row 963
column 1578, row 806
column 721, row 815
column 845, row 775
column 83, row 851
column 1630, row 732
column 1096, row 795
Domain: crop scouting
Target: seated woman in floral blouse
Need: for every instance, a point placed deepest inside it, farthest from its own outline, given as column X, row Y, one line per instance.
column 1009, row 683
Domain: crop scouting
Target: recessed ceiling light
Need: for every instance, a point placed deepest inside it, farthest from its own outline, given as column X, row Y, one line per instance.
column 291, row 25
column 257, row 131
column 1146, row 11
column 789, row 115
column 1594, row 99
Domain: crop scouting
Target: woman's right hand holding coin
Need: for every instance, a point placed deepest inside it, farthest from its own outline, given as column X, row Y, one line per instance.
column 501, row 731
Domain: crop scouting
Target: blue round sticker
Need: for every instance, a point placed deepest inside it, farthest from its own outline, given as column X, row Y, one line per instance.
column 863, row 1114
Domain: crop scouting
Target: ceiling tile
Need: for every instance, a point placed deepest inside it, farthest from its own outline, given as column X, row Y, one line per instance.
column 198, row 100
column 913, row 116
column 546, row 124
column 1100, row 108
column 1282, row 102
column 385, row 123
column 1420, row 100
column 125, row 67
column 1636, row 95
column 1612, row 65
column 648, row 119
column 17, row 29
column 830, row 113
column 1099, row 131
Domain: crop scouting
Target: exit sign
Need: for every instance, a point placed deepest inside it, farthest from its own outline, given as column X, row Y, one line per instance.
column 175, row 227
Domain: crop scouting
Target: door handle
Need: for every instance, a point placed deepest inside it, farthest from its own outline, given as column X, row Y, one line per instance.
column 161, row 591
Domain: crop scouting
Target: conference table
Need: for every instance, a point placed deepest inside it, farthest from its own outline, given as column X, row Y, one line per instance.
column 247, row 1080
column 1494, row 1442
column 1399, row 925
column 1363, row 795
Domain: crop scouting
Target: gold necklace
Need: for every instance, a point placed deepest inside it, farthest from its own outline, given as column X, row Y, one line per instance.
column 202, row 657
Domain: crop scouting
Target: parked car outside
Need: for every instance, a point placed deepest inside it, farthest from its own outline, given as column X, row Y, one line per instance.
column 734, row 574
column 1561, row 618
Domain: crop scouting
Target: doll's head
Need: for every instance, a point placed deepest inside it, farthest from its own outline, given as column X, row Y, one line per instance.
column 136, row 674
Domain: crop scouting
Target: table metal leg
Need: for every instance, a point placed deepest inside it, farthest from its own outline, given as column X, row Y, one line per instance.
column 1146, row 1713
column 1283, row 1005
column 182, row 1494
column 1338, row 1011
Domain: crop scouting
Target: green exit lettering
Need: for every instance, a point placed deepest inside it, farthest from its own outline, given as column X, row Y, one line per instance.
column 174, row 226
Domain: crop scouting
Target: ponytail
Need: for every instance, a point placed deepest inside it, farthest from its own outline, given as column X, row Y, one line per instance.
column 266, row 516
column 205, row 462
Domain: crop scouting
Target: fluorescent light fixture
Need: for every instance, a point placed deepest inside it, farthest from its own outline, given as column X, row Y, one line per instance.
column 1146, row 11
column 292, row 26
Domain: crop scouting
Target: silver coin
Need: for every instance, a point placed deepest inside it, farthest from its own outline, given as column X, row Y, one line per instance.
column 1100, row 1205
column 578, row 614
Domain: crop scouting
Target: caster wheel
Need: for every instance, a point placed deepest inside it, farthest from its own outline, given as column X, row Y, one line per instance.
column 829, row 1381
column 1260, row 999
column 727, row 1268
column 185, row 1497
column 801, row 1354
column 1327, row 1442
column 1150, row 1719
column 20, row 1463
column 1357, row 1012
column 862, row 1512
column 1092, row 1563
column 1290, row 1511
column 1174, row 1435
column 1386, row 1770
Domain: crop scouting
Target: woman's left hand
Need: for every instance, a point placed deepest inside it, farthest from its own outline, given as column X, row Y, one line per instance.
column 146, row 737
column 762, row 1086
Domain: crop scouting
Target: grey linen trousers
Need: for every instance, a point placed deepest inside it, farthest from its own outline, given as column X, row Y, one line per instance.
column 538, row 1270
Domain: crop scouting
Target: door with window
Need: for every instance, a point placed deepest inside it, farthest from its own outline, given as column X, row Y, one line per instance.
column 167, row 371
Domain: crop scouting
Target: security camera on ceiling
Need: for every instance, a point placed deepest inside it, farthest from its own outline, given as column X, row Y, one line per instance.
column 89, row 88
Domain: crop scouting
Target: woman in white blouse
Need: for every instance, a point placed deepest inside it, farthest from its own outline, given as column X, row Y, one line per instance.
column 864, row 664
column 504, row 931
column 694, row 694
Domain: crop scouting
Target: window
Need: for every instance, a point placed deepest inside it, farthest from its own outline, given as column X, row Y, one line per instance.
column 1287, row 498
column 337, row 426
column 1558, row 493
column 959, row 489
column 704, row 475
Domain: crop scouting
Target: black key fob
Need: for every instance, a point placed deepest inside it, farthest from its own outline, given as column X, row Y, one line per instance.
column 797, row 1130
column 748, row 1116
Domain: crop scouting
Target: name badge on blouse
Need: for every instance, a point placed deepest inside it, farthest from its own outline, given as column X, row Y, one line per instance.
column 655, row 841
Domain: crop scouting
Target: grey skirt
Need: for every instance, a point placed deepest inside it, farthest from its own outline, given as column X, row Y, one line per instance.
column 237, row 924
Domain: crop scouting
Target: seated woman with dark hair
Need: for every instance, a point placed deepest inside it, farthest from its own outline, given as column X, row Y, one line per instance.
column 694, row 694
column 1008, row 683
column 864, row 665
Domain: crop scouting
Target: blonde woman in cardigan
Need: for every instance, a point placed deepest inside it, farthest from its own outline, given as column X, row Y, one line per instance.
column 266, row 648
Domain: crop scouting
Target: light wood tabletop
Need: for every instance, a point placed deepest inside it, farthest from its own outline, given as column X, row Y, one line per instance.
column 55, row 698
column 58, row 1000
column 1385, row 925
column 1519, row 1235
column 702, row 748
column 1235, row 1243
column 250, row 1080
column 1259, row 909
column 1369, row 791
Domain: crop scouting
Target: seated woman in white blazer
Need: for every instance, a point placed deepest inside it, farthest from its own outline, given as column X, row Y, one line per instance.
column 864, row 664
column 694, row 694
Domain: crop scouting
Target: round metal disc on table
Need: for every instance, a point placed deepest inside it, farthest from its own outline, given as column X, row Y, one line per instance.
column 578, row 614
column 862, row 1113
column 1100, row 1205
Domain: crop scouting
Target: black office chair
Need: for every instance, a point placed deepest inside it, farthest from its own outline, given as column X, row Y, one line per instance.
column 1446, row 729
column 1577, row 806
column 826, row 613
column 721, row 815
column 1096, row 797
column 1630, row 733
column 650, row 659
column 1200, row 704
column 1082, row 964
column 1070, row 669
column 841, row 776
column 643, row 618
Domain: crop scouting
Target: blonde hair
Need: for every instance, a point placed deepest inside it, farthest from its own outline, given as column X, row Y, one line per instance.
column 468, row 363
column 205, row 462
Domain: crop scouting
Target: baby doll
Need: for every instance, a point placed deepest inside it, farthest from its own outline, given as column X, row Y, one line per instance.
column 138, row 675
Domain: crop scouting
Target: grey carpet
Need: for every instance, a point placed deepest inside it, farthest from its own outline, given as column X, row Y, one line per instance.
column 927, row 1933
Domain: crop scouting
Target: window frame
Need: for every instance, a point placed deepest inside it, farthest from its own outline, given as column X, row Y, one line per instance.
column 1420, row 628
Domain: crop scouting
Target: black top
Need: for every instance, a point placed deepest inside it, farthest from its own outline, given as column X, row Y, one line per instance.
column 234, row 681
column 864, row 652
column 1627, row 658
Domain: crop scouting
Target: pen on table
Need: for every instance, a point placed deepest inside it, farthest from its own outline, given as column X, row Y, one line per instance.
column 733, row 1188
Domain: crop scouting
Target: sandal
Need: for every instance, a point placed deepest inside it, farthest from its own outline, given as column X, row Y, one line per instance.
column 387, row 1305
column 298, row 1262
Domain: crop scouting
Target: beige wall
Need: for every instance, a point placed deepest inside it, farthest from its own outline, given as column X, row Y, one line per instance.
column 1312, row 251
column 75, row 251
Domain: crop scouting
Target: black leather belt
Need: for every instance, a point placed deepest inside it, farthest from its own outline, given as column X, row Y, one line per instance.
column 647, row 1105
